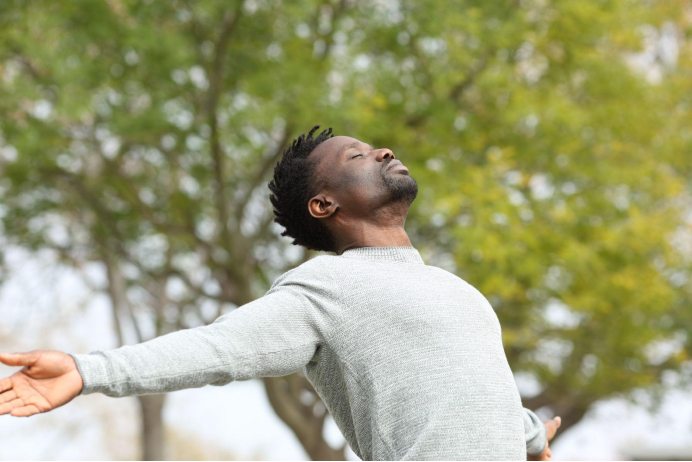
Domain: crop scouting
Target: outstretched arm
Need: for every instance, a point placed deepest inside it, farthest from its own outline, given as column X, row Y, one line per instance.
column 274, row 335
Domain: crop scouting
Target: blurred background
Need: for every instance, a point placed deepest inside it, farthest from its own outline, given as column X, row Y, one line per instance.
column 551, row 142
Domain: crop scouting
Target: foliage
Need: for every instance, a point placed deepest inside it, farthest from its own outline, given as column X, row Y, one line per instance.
column 554, row 174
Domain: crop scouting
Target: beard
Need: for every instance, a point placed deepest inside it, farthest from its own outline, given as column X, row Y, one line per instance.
column 400, row 187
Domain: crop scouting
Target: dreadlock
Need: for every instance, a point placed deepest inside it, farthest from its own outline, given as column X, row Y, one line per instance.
column 294, row 184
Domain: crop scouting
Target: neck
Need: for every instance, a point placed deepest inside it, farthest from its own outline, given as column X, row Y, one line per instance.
column 369, row 235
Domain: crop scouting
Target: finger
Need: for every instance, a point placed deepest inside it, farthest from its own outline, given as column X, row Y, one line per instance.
column 5, row 384
column 550, row 428
column 25, row 411
column 9, row 395
column 19, row 359
column 7, row 407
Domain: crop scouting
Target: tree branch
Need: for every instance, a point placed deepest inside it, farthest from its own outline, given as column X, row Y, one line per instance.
column 115, row 294
column 196, row 289
column 284, row 396
column 458, row 89
column 215, row 87
column 536, row 402
column 266, row 166
column 329, row 38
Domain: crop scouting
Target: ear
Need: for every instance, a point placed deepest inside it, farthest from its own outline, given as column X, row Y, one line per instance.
column 321, row 206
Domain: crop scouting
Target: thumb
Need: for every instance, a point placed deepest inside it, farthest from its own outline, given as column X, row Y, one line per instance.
column 551, row 427
column 19, row 359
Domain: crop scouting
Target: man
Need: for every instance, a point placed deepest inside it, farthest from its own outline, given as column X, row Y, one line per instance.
column 407, row 357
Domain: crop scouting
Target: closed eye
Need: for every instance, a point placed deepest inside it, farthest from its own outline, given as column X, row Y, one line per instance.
column 356, row 156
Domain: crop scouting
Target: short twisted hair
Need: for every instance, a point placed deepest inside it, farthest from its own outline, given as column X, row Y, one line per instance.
column 294, row 184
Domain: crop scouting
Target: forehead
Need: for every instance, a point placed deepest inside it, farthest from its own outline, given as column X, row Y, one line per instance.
column 335, row 146
column 332, row 146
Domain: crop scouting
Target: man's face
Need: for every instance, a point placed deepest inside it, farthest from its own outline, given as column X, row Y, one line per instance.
column 359, row 179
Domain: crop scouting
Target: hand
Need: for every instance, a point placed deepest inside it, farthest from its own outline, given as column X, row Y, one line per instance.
column 48, row 380
column 551, row 427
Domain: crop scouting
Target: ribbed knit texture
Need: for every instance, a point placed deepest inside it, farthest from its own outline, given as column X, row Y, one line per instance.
column 407, row 357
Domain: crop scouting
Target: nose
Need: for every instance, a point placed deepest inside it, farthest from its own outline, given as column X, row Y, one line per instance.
column 385, row 154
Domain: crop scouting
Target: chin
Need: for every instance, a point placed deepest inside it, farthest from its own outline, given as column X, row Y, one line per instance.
column 403, row 189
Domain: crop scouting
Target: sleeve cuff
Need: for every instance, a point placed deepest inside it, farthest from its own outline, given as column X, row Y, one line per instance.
column 535, row 432
column 538, row 444
column 92, row 367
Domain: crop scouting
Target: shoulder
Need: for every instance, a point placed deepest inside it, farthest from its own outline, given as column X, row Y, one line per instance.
column 444, row 274
column 315, row 280
column 315, row 270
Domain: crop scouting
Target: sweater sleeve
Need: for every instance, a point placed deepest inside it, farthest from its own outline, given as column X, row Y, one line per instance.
column 272, row 336
column 535, row 432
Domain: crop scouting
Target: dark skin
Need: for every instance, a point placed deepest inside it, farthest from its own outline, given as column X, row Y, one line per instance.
column 367, row 194
column 364, row 203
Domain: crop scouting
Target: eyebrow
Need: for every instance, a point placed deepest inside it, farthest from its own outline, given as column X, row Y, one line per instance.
column 355, row 144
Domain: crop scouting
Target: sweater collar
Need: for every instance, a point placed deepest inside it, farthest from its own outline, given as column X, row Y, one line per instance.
column 403, row 254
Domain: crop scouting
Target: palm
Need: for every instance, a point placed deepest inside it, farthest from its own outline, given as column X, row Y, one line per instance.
column 48, row 380
column 31, row 391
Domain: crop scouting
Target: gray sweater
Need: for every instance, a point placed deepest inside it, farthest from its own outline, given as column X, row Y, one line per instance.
column 407, row 357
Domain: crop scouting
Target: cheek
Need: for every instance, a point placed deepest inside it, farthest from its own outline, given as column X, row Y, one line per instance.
column 358, row 182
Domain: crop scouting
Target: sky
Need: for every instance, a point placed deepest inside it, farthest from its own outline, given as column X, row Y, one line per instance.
column 46, row 306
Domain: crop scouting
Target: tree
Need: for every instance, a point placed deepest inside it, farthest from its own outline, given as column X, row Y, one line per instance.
column 145, row 138
column 142, row 136
column 554, row 193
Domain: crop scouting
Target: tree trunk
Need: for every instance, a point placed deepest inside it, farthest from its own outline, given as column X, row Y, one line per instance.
column 152, row 426
column 306, row 419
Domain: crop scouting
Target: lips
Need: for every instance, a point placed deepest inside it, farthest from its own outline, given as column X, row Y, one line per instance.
column 395, row 163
